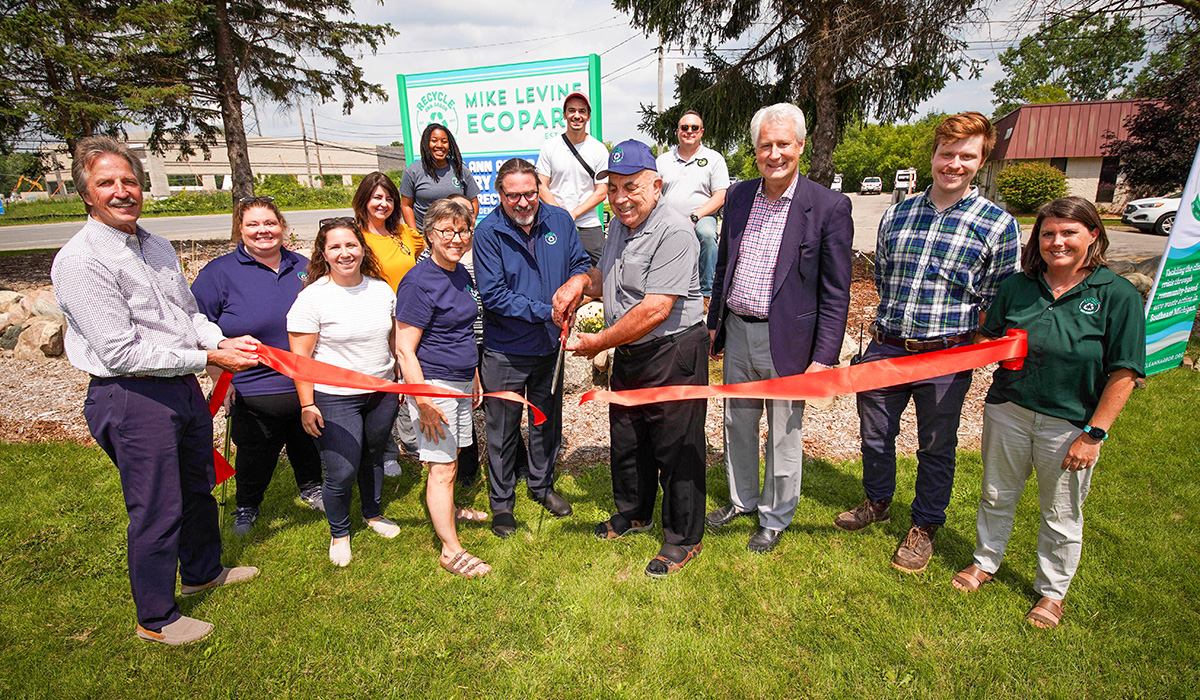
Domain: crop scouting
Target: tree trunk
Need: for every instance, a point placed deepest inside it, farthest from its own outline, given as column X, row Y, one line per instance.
column 231, row 107
column 823, row 138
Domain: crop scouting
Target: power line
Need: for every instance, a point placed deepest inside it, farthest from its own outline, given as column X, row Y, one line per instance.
column 501, row 43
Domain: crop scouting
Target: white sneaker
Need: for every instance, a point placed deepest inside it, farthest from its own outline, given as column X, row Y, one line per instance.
column 384, row 527
column 392, row 468
column 339, row 552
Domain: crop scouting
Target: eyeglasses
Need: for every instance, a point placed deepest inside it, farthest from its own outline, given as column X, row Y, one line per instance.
column 257, row 200
column 516, row 197
column 448, row 234
column 347, row 221
column 689, row 127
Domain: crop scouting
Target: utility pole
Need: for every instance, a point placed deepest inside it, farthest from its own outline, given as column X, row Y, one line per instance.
column 304, row 138
column 316, row 144
column 660, row 81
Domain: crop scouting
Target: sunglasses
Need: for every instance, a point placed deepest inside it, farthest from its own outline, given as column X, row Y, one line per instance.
column 690, row 127
column 257, row 200
column 347, row 221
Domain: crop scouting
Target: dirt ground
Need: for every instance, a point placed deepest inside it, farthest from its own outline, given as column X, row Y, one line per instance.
column 42, row 401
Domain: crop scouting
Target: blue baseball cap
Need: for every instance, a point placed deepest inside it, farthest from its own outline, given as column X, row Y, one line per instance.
column 628, row 158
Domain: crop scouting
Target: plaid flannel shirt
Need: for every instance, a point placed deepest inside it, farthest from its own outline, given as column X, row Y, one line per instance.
column 936, row 270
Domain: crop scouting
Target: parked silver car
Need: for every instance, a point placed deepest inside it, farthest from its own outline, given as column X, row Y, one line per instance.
column 1155, row 214
column 871, row 185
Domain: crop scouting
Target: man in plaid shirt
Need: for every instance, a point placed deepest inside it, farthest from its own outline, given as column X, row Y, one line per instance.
column 938, row 262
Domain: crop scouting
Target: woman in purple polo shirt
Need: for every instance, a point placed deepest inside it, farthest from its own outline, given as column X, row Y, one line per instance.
column 249, row 292
column 435, row 344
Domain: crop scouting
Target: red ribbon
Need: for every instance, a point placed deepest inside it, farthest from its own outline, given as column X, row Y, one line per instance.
column 307, row 369
column 842, row 380
column 223, row 467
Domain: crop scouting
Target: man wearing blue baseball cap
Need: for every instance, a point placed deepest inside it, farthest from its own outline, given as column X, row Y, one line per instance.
column 650, row 280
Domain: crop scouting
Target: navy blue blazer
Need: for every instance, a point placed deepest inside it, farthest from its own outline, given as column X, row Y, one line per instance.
column 810, row 295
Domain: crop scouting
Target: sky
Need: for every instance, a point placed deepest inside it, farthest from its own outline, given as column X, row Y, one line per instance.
column 473, row 33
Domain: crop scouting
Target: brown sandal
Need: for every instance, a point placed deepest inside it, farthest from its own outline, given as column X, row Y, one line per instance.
column 970, row 579
column 465, row 564
column 618, row 526
column 1046, row 614
column 469, row 515
column 663, row 565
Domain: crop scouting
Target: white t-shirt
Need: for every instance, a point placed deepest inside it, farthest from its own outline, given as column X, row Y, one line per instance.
column 569, row 182
column 688, row 184
column 352, row 324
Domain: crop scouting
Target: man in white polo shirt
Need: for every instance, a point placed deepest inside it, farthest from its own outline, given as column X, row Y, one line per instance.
column 567, row 167
column 695, row 178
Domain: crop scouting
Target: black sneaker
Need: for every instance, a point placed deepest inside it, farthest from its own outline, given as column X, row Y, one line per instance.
column 312, row 497
column 243, row 521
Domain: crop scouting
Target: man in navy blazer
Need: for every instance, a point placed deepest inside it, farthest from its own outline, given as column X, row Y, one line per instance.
column 780, row 298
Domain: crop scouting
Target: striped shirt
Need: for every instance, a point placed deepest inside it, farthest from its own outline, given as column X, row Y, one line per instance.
column 750, row 291
column 936, row 270
column 128, row 307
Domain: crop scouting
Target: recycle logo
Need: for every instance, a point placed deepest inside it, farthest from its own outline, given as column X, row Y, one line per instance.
column 702, row 162
column 1089, row 306
column 618, row 155
column 551, row 238
column 437, row 107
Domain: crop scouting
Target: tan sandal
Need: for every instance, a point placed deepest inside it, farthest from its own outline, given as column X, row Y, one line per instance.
column 469, row 515
column 970, row 579
column 1046, row 614
column 466, row 565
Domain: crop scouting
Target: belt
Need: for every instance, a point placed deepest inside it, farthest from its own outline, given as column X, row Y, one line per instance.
column 141, row 378
column 919, row 344
column 656, row 342
column 752, row 319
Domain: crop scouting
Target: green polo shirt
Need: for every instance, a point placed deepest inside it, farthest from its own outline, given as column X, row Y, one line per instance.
column 1075, row 342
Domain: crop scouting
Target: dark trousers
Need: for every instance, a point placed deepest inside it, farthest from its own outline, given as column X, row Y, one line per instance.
column 530, row 376
column 938, row 403
column 159, row 434
column 357, row 427
column 662, row 442
column 592, row 238
column 262, row 426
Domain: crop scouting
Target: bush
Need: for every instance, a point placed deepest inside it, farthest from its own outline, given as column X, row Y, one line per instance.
column 1027, row 186
column 191, row 203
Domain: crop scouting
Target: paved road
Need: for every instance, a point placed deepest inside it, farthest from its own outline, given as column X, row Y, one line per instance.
column 1125, row 242
column 215, row 226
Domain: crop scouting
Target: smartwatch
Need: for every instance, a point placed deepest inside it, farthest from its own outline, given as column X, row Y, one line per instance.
column 695, row 219
column 1095, row 433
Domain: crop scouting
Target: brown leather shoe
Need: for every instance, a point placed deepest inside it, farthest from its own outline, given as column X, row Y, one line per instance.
column 914, row 552
column 866, row 513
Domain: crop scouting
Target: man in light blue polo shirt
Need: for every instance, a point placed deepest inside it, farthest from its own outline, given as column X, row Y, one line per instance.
column 695, row 178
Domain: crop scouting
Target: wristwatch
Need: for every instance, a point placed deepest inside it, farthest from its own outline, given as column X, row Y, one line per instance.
column 1095, row 433
column 695, row 218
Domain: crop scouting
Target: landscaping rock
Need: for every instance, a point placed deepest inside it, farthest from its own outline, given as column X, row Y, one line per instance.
column 577, row 374
column 1149, row 266
column 8, row 341
column 44, row 306
column 1187, row 363
column 40, row 340
column 4, row 322
column 7, row 298
column 1141, row 282
column 601, row 361
column 16, row 312
column 1121, row 266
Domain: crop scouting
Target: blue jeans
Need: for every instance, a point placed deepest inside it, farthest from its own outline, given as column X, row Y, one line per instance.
column 357, row 428
column 939, row 403
column 706, row 233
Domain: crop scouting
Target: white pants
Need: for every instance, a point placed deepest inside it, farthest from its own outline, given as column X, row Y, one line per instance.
column 1017, row 441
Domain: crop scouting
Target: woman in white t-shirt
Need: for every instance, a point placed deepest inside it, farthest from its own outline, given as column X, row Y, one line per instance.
column 344, row 317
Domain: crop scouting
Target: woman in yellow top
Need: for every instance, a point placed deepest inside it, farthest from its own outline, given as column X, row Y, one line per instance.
column 377, row 212
column 396, row 247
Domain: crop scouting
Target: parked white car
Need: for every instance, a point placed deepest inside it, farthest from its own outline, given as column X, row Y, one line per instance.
column 1155, row 214
column 836, row 185
column 871, row 185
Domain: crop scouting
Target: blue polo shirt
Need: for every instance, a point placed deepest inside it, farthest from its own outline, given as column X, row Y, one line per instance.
column 245, row 297
column 518, row 277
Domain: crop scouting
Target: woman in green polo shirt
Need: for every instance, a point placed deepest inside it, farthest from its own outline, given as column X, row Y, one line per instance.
column 1087, row 346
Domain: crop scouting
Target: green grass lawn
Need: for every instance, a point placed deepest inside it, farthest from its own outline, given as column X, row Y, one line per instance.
column 567, row 616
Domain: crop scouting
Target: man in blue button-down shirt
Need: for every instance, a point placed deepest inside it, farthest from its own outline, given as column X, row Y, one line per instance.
column 523, row 252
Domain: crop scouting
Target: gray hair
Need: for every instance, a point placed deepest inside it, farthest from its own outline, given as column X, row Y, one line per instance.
column 93, row 147
column 780, row 112
column 444, row 209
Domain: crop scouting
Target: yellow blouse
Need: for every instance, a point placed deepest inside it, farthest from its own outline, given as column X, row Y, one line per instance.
column 396, row 255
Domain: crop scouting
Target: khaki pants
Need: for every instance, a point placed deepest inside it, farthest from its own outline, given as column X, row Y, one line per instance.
column 1016, row 442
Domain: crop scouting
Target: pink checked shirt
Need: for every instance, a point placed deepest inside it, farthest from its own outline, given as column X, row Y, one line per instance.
column 750, row 293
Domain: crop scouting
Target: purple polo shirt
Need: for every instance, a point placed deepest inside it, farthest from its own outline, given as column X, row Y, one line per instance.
column 245, row 297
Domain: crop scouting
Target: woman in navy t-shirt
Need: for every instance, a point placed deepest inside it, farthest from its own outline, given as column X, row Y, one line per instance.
column 435, row 344
column 249, row 292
